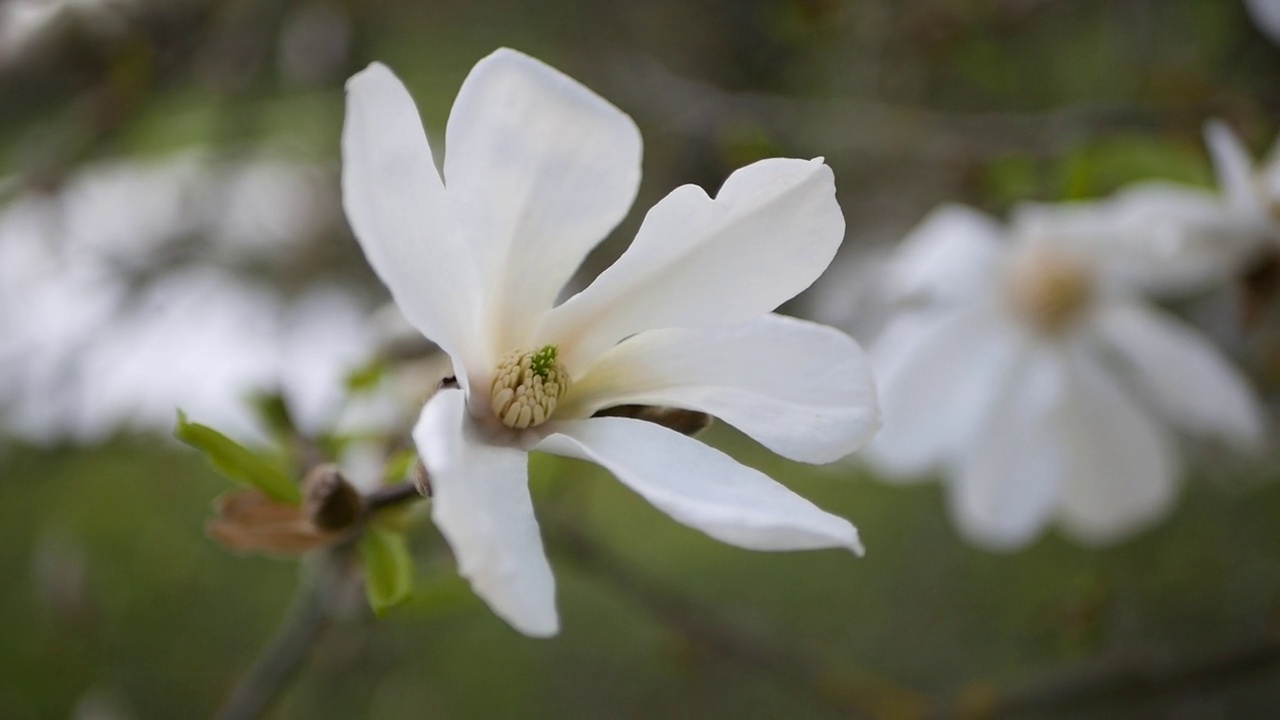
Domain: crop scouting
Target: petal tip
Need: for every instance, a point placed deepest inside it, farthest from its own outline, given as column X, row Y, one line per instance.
column 855, row 545
column 542, row 629
column 371, row 71
column 508, row 55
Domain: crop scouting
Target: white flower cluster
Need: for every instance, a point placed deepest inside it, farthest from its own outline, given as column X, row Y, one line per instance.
column 95, row 337
column 1029, row 366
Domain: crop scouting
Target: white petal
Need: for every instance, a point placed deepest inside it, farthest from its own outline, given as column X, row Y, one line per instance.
column 1006, row 488
column 1266, row 15
column 701, row 487
column 540, row 169
column 1183, row 373
column 481, row 504
column 1233, row 165
column 1121, row 469
column 950, row 255
column 801, row 389
column 697, row 262
column 937, row 372
column 396, row 205
column 1153, row 236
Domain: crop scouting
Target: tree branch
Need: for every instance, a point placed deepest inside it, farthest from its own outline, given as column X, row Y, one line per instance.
column 860, row 126
column 390, row 495
column 281, row 659
column 1131, row 677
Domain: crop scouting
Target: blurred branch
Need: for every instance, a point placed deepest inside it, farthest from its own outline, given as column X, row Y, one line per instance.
column 281, row 659
column 307, row 617
column 96, row 83
column 850, row 691
column 391, row 495
column 1122, row 678
column 857, row 126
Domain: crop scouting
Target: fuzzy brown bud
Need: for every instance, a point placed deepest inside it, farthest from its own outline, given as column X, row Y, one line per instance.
column 329, row 500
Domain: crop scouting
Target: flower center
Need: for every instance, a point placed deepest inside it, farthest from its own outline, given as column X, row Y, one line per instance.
column 1049, row 289
column 527, row 387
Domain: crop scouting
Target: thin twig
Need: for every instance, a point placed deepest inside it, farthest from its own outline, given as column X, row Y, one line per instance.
column 851, row 690
column 281, row 659
column 858, row 125
column 389, row 495
column 1132, row 677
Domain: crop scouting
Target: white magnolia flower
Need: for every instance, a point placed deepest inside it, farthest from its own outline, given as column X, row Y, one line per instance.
column 1036, row 378
column 538, row 170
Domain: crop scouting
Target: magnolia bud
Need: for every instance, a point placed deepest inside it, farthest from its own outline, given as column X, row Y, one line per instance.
column 421, row 479
column 329, row 500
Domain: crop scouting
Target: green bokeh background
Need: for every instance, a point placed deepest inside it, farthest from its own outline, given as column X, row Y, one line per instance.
column 112, row 597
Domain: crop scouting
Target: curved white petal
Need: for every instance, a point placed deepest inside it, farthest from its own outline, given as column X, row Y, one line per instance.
column 1183, row 373
column 540, row 169
column 1233, row 165
column 1155, row 236
column 701, row 487
column 1122, row 471
column 397, row 208
column 697, row 262
column 801, row 389
column 481, row 504
column 937, row 372
column 1006, row 487
column 951, row 255
column 1266, row 15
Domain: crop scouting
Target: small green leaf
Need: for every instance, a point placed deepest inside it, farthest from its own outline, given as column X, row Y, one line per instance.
column 238, row 462
column 365, row 378
column 400, row 465
column 274, row 414
column 388, row 568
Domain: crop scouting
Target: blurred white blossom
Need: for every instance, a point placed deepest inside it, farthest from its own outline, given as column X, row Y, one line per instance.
column 122, row 297
column 538, row 170
column 24, row 23
column 1031, row 372
column 1266, row 15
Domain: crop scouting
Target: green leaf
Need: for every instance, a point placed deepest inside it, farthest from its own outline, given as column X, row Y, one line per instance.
column 388, row 568
column 1110, row 163
column 400, row 465
column 238, row 462
column 366, row 378
column 274, row 414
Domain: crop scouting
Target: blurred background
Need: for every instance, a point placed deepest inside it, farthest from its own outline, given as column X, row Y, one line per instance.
column 171, row 236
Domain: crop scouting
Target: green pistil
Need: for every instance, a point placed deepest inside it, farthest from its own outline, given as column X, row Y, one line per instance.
column 543, row 361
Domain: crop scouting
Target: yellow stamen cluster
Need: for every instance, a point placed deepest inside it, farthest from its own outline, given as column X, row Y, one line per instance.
column 1050, row 290
column 528, row 386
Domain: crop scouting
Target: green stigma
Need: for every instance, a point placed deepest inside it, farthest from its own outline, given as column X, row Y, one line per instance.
column 543, row 361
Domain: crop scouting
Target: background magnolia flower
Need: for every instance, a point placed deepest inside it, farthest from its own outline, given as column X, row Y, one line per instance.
column 538, row 170
column 1035, row 377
